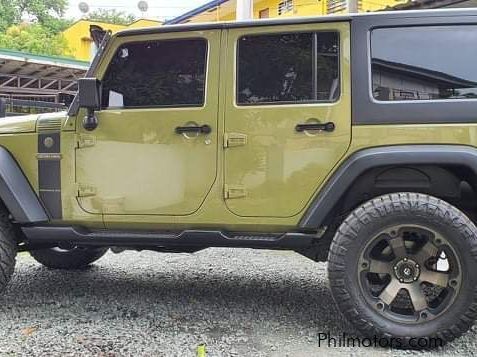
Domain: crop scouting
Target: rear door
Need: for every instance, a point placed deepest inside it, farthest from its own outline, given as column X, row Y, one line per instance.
column 288, row 119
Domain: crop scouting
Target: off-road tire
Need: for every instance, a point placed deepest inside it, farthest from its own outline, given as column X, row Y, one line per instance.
column 76, row 258
column 357, row 230
column 8, row 249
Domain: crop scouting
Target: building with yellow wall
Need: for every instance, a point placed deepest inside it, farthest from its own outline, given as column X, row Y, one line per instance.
column 81, row 44
column 224, row 10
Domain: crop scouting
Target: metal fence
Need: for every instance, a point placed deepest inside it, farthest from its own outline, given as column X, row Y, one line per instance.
column 13, row 107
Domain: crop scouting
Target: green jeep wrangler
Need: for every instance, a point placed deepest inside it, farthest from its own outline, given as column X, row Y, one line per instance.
column 348, row 139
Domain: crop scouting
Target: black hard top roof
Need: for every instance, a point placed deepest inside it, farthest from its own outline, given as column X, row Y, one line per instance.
column 299, row 20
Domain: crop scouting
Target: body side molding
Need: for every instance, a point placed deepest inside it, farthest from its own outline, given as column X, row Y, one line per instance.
column 17, row 193
column 367, row 159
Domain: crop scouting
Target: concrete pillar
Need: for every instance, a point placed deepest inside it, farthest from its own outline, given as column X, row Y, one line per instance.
column 244, row 10
column 352, row 6
column 3, row 108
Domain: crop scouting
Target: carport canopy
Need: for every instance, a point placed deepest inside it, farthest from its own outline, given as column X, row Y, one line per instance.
column 30, row 74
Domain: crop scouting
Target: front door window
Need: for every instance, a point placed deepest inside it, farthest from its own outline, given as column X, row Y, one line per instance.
column 156, row 74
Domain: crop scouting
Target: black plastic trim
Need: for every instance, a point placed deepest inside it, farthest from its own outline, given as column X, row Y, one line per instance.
column 17, row 193
column 367, row 159
column 43, row 235
column 49, row 173
column 366, row 110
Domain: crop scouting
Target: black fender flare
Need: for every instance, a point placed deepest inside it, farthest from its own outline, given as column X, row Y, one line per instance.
column 364, row 160
column 17, row 193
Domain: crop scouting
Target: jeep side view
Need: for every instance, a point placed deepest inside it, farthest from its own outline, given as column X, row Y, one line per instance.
column 348, row 139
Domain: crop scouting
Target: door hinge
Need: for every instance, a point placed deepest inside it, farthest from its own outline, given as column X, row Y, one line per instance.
column 86, row 190
column 86, row 140
column 234, row 139
column 234, row 191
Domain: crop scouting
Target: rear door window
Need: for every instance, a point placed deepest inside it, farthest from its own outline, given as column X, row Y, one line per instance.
column 288, row 68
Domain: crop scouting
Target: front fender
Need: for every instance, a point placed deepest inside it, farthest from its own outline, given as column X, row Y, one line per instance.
column 17, row 193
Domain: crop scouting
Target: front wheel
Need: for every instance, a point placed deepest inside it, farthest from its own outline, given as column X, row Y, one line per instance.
column 403, row 267
column 74, row 258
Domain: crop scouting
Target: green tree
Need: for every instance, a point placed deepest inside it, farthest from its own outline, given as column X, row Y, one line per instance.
column 34, row 38
column 8, row 14
column 41, row 10
column 45, row 12
column 34, row 26
column 112, row 16
column 56, row 26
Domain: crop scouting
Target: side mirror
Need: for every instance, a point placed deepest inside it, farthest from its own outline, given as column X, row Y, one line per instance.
column 89, row 97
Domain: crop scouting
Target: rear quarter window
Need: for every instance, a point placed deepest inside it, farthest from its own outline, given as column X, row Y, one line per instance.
column 424, row 63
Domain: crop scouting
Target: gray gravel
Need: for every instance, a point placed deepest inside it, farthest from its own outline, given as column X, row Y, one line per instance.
column 237, row 302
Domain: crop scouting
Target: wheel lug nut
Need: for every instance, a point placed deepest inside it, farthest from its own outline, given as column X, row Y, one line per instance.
column 401, row 280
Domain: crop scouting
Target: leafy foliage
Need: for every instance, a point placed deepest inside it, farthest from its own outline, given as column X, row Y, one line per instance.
column 34, row 26
column 112, row 16
column 40, row 10
column 34, row 38
column 8, row 14
column 44, row 12
column 55, row 25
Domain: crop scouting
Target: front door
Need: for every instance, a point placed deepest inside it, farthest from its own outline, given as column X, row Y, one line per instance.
column 154, row 151
column 288, row 120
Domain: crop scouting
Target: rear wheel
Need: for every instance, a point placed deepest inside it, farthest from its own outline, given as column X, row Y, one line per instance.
column 74, row 258
column 402, row 267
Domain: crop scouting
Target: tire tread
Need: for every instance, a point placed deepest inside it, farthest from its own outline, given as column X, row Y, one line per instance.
column 380, row 207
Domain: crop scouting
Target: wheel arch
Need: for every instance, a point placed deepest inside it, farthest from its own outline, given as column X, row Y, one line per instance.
column 16, row 192
column 431, row 169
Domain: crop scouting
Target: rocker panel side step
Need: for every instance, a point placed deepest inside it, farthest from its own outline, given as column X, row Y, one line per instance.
column 82, row 237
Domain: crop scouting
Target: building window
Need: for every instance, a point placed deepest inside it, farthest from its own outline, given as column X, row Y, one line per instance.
column 337, row 6
column 290, row 68
column 163, row 73
column 264, row 14
column 424, row 63
column 285, row 6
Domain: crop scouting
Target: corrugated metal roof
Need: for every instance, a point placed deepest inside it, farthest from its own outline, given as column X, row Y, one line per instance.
column 42, row 59
column 27, row 64
column 26, row 73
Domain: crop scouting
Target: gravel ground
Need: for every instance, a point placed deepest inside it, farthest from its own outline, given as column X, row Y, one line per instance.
column 237, row 302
